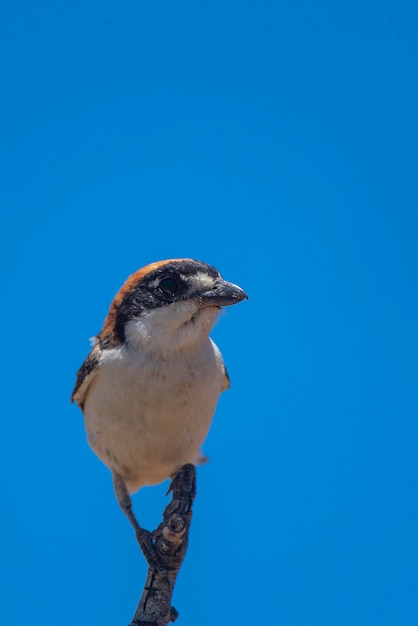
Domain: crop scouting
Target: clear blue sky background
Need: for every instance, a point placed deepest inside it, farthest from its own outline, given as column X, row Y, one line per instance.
column 279, row 142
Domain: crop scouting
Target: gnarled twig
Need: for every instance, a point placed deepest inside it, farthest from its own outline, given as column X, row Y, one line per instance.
column 170, row 543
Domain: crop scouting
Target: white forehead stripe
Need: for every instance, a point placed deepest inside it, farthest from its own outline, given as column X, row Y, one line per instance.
column 201, row 280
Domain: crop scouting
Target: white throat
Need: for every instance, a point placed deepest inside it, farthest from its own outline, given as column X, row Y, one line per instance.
column 178, row 326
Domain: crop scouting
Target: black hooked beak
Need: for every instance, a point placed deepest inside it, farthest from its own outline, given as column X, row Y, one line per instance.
column 223, row 294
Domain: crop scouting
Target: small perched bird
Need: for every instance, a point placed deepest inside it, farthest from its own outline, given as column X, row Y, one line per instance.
column 149, row 387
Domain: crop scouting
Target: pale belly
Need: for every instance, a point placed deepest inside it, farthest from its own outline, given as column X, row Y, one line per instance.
column 146, row 420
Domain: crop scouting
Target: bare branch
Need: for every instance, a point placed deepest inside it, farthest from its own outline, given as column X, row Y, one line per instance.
column 170, row 544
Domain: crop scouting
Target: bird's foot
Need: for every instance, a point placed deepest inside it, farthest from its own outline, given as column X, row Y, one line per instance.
column 146, row 543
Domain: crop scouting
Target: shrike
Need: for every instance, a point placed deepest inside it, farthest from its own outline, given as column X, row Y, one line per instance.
column 149, row 387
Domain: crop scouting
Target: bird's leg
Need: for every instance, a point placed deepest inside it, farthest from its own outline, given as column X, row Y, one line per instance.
column 144, row 537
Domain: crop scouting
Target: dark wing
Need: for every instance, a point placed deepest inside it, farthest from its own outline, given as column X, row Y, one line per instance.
column 227, row 380
column 86, row 375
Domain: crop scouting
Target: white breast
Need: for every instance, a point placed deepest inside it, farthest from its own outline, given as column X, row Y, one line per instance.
column 147, row 415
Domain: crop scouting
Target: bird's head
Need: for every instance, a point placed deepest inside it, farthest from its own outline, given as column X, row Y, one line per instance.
column 168, row 305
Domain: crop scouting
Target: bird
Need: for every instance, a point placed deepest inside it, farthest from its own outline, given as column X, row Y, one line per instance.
column 149, row 387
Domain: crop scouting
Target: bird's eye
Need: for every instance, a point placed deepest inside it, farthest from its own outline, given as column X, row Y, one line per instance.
column 169, row 286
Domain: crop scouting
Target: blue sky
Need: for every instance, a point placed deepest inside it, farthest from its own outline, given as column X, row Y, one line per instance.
column 278, row 142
